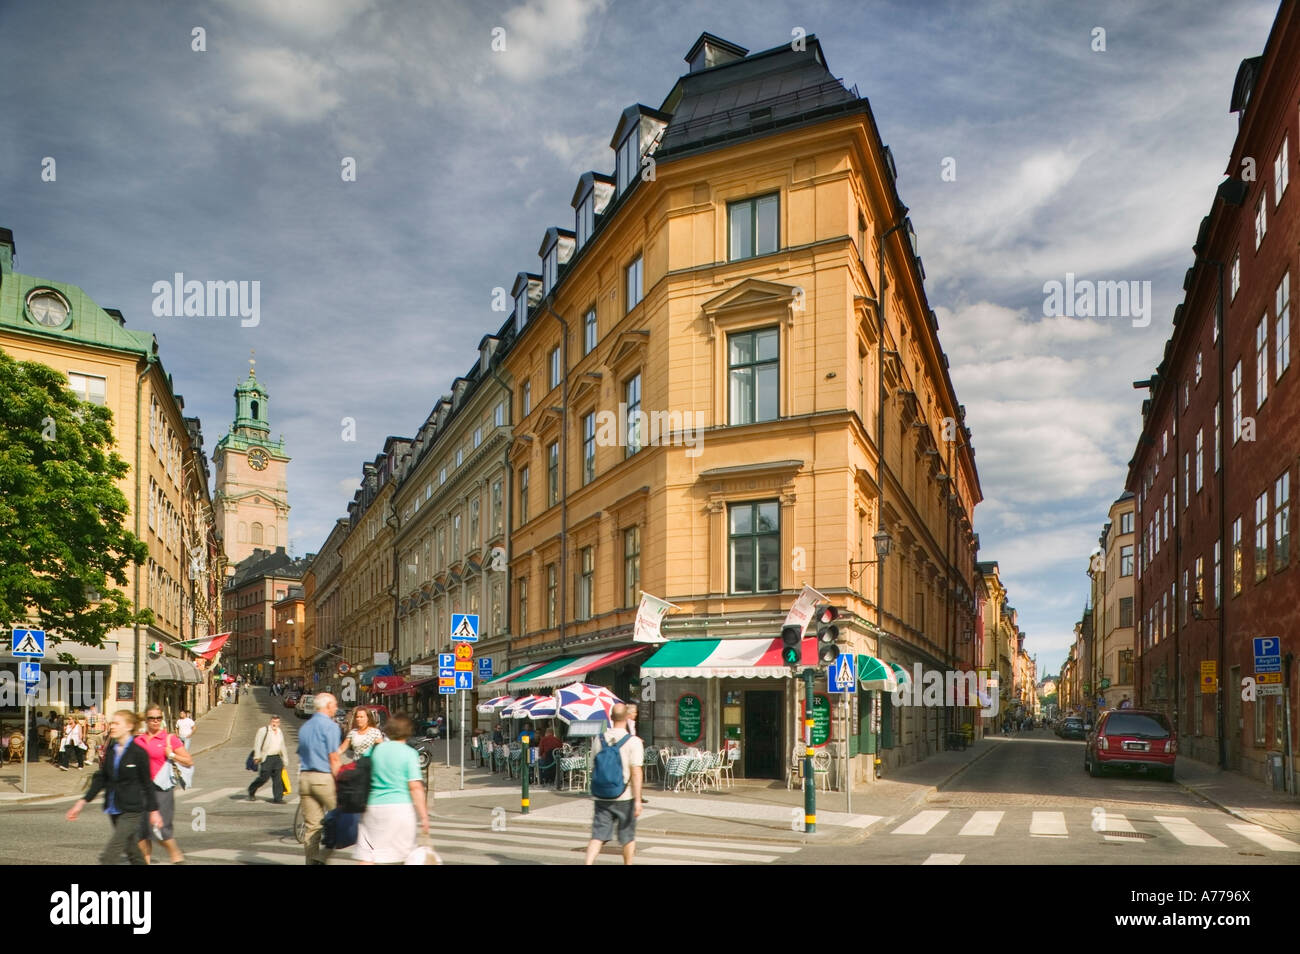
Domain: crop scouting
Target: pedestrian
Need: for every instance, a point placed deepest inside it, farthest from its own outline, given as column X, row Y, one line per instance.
column 615, row 805
column 185, row 729
column 387, row 833
column 72, row 744
column 271, row 755
column 498, row 736
column 236, row 694
column 163, row 748
column 129, row 798
column 546, row 756
column 363, row 734
column 631, row 717
column 318, row 766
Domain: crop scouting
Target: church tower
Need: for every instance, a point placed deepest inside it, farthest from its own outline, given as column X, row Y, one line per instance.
column 252, row 497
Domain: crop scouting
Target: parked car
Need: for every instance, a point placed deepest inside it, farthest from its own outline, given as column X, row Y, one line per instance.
column 306, row 707
column 1072, row 729
column 1135, row 739
column 291, row 699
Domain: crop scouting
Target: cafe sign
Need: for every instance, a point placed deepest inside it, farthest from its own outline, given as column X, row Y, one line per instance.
column 821, row 730
column 690, row 719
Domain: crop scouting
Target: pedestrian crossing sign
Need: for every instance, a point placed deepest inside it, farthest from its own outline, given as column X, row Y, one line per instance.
column 464, row 627
column 839, row 678
column 29, row 643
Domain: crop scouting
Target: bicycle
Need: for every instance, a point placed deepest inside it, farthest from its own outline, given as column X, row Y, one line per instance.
column 300, row 825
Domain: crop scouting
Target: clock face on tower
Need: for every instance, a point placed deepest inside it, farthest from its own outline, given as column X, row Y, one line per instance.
column 257, row 459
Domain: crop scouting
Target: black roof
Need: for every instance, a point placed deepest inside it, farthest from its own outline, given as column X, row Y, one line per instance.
column 266, row 563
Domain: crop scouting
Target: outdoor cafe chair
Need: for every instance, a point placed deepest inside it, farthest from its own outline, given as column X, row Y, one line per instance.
column 574, row 770
column 676, row 770
column 650, row 763
column 727, row 769
column 822, row 769
column 793, row 778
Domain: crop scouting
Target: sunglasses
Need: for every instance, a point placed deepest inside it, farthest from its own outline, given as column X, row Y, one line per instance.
column 153, row 718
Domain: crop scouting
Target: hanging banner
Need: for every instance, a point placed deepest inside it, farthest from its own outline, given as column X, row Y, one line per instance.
column 649, row 616
column 802, row 610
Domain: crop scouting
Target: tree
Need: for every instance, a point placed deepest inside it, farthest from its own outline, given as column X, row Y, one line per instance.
column 63, row 536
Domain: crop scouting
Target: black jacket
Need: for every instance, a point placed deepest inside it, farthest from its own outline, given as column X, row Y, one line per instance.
column 131, row 784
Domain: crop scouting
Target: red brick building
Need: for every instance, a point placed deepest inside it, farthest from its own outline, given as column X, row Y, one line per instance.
column 1215, row 471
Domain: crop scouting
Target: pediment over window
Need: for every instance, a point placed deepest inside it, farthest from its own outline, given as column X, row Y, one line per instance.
column 629, row 348
column 586, row 388
column 750, row 298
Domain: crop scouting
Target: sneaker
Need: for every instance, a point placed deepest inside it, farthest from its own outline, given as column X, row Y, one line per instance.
column 252, row 797
column 63, row 768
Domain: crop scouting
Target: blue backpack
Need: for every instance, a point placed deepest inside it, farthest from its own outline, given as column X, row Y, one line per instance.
column 607, row 770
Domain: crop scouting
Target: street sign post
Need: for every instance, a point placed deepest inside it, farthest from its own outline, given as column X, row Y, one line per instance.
column 841, row 678
column 464, row 627
column 1268, row 654
column 28, row 643
column 464, row 657
column 485, row 668
column 841, row 673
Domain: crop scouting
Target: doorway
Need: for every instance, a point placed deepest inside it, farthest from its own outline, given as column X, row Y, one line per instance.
column 761, row 745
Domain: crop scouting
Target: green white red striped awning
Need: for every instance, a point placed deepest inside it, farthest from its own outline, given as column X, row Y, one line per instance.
column 724, row 659
column 499, row 682
column 560, row 672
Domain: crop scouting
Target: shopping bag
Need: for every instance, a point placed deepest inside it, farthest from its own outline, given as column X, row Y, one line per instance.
column 284, row 780
column 423, row 853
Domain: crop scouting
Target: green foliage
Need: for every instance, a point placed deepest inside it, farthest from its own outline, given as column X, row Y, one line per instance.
column 1049, row 700
column 63, row 537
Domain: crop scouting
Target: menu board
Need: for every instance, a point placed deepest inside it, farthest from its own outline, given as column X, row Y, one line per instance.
column 690, row 719
column 821, row 730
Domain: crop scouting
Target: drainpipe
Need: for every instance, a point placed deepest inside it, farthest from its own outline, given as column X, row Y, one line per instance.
column 1223, row 522
column 564, row 467
column 140, row 675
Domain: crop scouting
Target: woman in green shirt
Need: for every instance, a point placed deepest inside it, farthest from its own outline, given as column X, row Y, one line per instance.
column 387, row 833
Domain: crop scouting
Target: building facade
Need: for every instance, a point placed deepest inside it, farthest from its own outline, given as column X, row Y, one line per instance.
column 287, row 637
column 251, row 592
column 59, row 325
column 1111, row 576
column 1215, row 468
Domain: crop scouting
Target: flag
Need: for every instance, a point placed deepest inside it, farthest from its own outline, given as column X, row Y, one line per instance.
column 802, row 610
column 207, row 647
column 648, row 618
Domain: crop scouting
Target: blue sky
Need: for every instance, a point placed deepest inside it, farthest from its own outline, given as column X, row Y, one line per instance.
column 225, row 165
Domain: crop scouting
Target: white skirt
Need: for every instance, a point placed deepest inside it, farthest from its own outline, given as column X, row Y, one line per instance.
column 387, row 834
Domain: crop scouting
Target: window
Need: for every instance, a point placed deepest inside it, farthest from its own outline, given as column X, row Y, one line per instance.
column 1282, row 522
column 1261, row 219
column 553, row 474
column 550, row 596
column 1218, row 425
column 632, row 398
column 1282, row 325
column 523, row 496
column 1198, row 583
column 499, row 414
column 521, row 309
column 256, row 533
column 455, row 537
column 1281, row 173
column 548, row 270
column 555, row 367
column 526, row 399
column 478, row 436
column 442, row 476
column 585, row 219
column 1198, row 367
column 755, row 532
column 1236, row 557
column 1236, row 270
column 1124, row 671
column 631, row 566
column 1164, row 443
column 754, row 372
column 1126, row 522
column 460, row 456
column 473, row 544
column 1125, row 611
column 1126, row 560
column 522, row 589
column 634, row 283
column 752, row 227
column 1183, row 599
column 1261, row 536
column 498, row 499
column 586, row 579
column 1236, row 402
column 627, row 160
column 153, row 511
column 588, row 447
column 442, row 547
column 1261, row 711
column 1261, row 361
column 1200, row 459
column 88, row 387
column 589, row 331
column 1218, row 572
column 1187, row 477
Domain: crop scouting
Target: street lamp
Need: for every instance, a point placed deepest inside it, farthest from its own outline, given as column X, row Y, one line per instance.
column 884, row 543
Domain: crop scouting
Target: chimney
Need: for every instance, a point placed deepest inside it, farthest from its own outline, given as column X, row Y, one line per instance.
column 7, row 250
column 116, row 316
column 710, row 51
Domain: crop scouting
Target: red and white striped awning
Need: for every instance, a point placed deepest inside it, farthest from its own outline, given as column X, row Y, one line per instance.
column 725, row 659
column 571, row 669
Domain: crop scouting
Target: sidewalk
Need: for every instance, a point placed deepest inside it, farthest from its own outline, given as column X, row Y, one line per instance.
column 759, row 810
column 45, row 780
column 1246, row 798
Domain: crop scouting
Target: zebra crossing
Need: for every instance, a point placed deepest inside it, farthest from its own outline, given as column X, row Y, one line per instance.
column 476, row 843
column 1100, row 824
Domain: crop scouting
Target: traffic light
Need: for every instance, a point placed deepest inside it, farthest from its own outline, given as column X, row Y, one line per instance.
column 828, row 634
column 791, row 639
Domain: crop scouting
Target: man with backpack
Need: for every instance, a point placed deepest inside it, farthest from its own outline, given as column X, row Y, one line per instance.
column 616, row 787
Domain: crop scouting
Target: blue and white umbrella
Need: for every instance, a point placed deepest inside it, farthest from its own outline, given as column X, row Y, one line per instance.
column 535, row 707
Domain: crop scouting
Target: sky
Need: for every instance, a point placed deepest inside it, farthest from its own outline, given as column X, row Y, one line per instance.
column 209, row 138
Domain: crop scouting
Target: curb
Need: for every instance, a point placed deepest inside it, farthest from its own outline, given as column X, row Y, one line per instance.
column 1238, row 813
column 216, row 745
column 918, row 797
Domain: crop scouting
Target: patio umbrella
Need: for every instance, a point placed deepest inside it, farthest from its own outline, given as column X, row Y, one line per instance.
column 492, row 705
column 580, row 702
column 538, row 707
column 509, row 711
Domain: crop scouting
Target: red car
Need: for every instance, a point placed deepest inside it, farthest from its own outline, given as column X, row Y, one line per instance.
column 1133, row 739
column 291, row 699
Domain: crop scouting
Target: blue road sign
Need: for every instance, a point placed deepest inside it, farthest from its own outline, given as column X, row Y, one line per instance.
column 839, row 678
column 464, row 680
column 447, row 690
column 1268, row 654
column 485, row 667
column 447, row 665
column 464, row 627
column 29, row 673
column 29, row 643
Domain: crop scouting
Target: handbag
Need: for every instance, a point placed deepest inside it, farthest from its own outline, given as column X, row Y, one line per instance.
column 165, row 781
column 423, row 853
column 248, row 762
column 284, row 781
column 339, row 829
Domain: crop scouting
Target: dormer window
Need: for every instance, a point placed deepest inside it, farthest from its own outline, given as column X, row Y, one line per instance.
column 585, row 222
column 549, row 269
column 628, row 161
column 521, row 310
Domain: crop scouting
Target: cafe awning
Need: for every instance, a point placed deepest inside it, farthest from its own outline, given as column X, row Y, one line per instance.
column 559, row 672
column 724, row 659
column 517, row 673
column 875, row 673
column 167, row 669
column 368, row 676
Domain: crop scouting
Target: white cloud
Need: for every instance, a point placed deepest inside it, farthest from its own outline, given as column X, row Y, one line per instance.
column 308, row 19
column 281, row 84
column 545, row 36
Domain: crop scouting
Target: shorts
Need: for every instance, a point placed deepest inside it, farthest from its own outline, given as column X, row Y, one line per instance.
column 607, row 814
column 166, row 808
